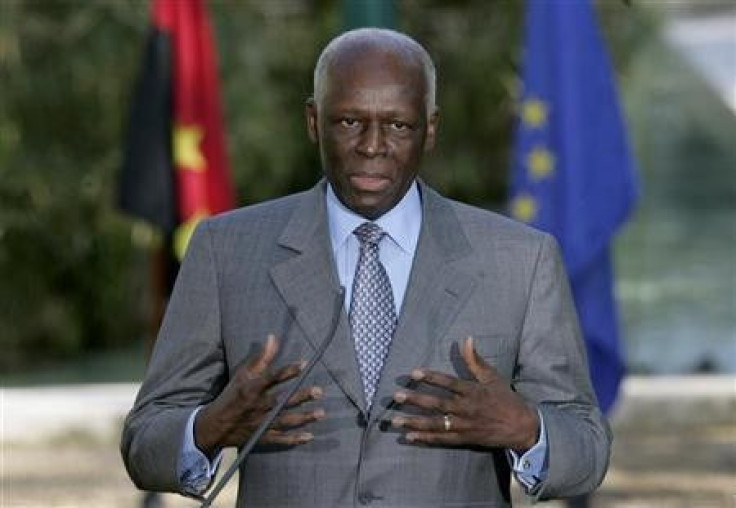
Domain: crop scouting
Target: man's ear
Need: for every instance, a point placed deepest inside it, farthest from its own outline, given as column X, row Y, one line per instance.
column 432, row 125
column 310, row 111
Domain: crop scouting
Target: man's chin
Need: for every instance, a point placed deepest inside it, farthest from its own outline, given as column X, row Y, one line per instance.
column 370, row 209
column 366, row 202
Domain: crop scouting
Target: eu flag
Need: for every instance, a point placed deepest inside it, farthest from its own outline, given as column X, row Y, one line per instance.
column 573, row 174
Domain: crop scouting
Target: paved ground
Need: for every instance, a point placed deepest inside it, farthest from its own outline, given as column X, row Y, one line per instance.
column 675, row 447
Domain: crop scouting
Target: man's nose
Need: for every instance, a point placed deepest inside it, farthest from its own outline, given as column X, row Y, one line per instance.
column 372, row 141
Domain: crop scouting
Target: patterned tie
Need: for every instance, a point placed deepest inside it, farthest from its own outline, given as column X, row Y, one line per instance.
column 372, row 313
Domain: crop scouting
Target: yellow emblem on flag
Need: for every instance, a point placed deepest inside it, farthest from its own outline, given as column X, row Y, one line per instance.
column 541, row 162
column 524, row 208
column 184, row 233
column 187, row 148
column 534, row 112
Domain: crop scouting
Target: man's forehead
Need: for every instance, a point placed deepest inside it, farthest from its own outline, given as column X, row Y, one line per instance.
column 367, row 83
column 387, row 101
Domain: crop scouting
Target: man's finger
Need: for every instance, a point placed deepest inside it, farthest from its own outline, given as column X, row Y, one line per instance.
column 428, row 423
column 293, row 420
column 273, row 436
column 441, row 380
column 304, row 395
column 436, row 438
column 425, row 401
column 266, row 356
column 284, row 374
column 483, row 372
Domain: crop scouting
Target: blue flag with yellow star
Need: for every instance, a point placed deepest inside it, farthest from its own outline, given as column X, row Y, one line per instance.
column 573, row 174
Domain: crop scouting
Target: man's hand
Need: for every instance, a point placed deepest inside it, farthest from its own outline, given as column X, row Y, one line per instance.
column 236, row 413
column 485, row 412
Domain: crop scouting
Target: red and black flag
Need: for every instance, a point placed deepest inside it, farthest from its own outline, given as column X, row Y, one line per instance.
column 175, row 170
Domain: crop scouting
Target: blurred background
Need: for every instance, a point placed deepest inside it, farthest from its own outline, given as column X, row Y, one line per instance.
column 76, row 291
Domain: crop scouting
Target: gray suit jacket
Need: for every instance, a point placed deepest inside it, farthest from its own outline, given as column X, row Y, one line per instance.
column 268, row 269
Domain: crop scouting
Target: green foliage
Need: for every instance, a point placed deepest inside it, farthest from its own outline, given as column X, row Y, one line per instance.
column 267, row 51
column 475, row 45
column 72, row 278
column 65, row 255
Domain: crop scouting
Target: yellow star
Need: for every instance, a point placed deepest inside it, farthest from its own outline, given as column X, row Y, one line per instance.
column 187, row 149
column 184, row 232
column 541, row 162
column 534, row 112
column 524, row 208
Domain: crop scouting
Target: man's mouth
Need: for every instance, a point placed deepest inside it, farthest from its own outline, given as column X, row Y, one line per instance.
column 369, row 183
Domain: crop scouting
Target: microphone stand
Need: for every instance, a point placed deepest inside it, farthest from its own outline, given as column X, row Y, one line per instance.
column 271, row 416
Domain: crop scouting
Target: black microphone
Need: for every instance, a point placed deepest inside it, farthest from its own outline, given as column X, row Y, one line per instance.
column 271, row 416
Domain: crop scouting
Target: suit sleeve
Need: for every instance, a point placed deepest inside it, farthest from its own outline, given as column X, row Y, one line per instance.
column 187, row 369
column 552, row 372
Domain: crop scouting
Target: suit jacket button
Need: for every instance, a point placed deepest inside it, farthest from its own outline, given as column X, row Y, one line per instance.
column 361, row 421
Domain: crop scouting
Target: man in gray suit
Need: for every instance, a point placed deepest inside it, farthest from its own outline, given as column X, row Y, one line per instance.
column 456, row 362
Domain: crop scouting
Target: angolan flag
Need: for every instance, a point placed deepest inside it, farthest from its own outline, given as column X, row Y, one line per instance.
column 175, row 170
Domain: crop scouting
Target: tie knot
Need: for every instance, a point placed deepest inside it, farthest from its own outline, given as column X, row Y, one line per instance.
column 369, row 233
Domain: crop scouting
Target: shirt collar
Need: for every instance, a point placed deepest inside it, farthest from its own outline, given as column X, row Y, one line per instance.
column 401, row 224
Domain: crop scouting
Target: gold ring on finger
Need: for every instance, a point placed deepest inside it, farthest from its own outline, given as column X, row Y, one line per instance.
column 448, row 423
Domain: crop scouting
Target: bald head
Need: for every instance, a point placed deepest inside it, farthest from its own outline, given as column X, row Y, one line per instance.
column 351, row 46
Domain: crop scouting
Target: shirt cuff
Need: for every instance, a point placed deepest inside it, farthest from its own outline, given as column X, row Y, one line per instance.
column 530, row 469
column 194, row 469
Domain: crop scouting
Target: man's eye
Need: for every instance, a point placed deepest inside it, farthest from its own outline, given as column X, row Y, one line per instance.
column 399, row 126
column 348, row 122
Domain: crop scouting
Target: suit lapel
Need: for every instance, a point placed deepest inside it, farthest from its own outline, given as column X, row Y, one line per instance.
column 309, row 284
column 437, row 290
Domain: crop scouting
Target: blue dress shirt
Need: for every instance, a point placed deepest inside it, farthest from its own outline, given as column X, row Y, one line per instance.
column 402, row 225
column 396, row 249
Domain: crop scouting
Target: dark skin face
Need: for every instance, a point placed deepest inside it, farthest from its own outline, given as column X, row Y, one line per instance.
column 372, row 128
